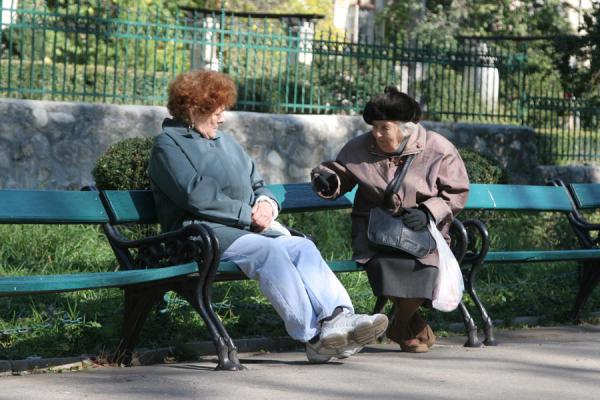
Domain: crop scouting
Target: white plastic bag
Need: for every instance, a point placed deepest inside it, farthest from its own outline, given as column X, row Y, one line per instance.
column 449, row 286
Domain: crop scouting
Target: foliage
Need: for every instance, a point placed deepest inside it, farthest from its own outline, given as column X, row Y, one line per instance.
column 482, row 169
column 444, row 20
column 124, row 166
column 578, row 58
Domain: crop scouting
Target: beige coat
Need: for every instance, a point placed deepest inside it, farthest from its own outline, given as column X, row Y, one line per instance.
column 436, row 180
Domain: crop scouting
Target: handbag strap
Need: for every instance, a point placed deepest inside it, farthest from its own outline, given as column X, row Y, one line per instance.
column 394, row 185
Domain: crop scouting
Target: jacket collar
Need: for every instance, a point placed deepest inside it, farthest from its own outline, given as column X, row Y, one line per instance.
column 416, row 142
column 180, row 133
column 182, row 129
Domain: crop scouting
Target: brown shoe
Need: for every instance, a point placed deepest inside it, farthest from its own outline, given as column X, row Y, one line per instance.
column 413, row 346
column 404, row 336
column 423, row 331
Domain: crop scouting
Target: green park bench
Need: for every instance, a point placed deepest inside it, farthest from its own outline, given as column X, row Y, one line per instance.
column 529, row 198
column 151, row 266
column 72, row 207
column 137, row 207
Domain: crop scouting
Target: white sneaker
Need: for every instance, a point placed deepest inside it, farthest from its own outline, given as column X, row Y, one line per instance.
column 367, row 328
column 348, row 351
column 336, row 333
column 318, row 354
column 346, row 328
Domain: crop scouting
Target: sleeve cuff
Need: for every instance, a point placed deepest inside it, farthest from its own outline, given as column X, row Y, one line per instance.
column 438, row 209
column 272, row 202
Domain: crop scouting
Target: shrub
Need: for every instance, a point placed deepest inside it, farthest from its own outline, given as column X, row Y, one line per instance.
column 124, row 166
column 481, row 169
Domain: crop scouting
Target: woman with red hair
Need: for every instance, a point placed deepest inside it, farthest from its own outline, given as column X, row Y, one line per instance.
column 201, row 174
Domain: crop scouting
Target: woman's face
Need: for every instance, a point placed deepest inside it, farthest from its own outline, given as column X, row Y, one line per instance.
column 207, row 124
column 388, row 135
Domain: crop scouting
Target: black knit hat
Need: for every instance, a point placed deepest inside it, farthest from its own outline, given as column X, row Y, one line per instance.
column 392, row 105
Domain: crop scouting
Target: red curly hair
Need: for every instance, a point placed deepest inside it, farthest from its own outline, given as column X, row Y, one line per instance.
column 200, row 93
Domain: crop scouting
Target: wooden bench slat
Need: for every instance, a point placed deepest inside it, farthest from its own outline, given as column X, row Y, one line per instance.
column 587, row 195
column 229, row 267
column 518, row 197
column 130, row 206
column 23, row 285
column 542, row 255
column 296, row 197
column 344, row 266
column 137, row 206
column 50, row 207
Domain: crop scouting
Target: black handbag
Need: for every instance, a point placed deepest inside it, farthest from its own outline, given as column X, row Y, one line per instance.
column 388, row 232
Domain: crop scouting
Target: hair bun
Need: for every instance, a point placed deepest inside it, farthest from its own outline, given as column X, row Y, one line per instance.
column 392, row 89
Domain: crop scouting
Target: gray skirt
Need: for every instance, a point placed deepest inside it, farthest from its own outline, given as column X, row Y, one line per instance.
column 400, row 276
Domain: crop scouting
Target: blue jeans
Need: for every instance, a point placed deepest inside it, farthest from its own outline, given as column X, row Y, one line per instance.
column 294, row 277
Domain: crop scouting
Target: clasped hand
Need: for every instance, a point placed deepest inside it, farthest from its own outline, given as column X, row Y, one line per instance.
column 262, row 216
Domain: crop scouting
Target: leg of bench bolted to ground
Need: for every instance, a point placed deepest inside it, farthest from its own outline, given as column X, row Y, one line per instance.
column 471, row 328
column 488, row 326
column 475, row 257
column 138, row 303
column 589, row 279
column 211, row 260
column 198, row 293
column 228, row 360
column 233, row 362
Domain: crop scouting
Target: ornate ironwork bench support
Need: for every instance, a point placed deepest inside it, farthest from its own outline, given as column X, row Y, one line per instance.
column 478, row 234
column 589, row 272
column 191, row 243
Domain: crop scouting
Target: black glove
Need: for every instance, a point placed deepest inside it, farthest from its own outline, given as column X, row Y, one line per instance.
column 414, row 218
column 325, row 183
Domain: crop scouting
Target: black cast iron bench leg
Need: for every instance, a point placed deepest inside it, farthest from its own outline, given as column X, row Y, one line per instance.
column 590, row 277
column 138, row 303
column 476, row 262
column 470, row 327
column 226, row 349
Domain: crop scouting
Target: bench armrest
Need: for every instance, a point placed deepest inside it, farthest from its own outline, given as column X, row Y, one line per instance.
column 478, row 243
column 194, row 242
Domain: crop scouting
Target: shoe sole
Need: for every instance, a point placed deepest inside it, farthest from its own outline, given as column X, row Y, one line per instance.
column 367, row 332
column 423, row 348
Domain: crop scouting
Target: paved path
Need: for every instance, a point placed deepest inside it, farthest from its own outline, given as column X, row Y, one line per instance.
column 543, row 363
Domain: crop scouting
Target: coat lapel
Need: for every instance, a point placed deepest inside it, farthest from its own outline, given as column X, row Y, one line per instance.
column 185, row 141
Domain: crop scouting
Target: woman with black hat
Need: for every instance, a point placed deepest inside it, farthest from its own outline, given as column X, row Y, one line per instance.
column 434, row 188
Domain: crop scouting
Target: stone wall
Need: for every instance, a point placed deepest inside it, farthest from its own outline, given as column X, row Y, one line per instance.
column 54, row 145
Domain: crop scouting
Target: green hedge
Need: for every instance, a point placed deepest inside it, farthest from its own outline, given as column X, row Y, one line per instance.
column 124, row 166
